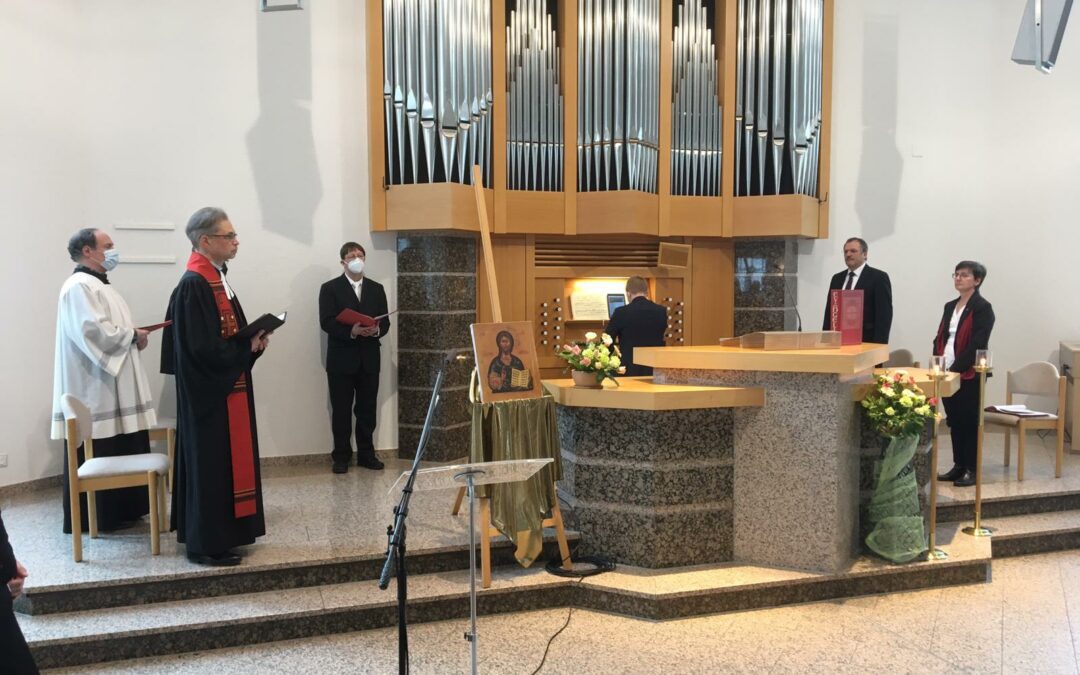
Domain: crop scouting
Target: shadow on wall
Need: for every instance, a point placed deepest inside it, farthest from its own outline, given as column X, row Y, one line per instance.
column 281, row 144
column 881, row 164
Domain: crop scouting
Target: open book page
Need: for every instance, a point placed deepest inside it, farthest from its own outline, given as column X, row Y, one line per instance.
column 1018, row 410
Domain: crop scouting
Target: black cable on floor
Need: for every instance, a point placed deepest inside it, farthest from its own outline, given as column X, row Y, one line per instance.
column 600, row 564
column 551, row 639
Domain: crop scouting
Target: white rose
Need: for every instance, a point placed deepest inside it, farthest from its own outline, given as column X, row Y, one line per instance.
column 590, row 335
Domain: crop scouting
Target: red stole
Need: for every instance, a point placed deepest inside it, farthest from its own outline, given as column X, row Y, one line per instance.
column 240, row 442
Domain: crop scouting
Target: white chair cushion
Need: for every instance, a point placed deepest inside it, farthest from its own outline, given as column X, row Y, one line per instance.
column 101, row 467
column 1013, row 420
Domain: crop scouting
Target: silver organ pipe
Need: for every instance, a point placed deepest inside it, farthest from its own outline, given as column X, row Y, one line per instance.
column 437, row 90
column 534, row 100
column 437, row 95
column 618, row 91
column 695, row 109
column 778, row 98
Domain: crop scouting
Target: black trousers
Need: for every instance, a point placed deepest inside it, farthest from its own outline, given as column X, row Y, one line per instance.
column 114, row 507
column 15, row 656
column 962, row 409
column 353, row 394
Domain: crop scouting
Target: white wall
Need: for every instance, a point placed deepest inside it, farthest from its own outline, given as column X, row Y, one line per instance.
column 41, row 187
column 945, row 150
column 132, row 111
column 127, row 110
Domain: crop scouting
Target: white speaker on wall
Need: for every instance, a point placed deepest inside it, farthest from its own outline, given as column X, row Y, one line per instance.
column 1041, row 29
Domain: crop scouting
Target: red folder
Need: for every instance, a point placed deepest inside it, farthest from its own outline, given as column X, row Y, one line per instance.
column 154, row 327
column 846, row 315
column 351, row 317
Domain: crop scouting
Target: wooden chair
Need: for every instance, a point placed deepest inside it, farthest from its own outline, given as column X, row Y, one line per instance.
column 108, row 473
column 165, row 430
column 1040, row 378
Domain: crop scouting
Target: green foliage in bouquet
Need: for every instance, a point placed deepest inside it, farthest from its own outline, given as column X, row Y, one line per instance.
column 596, row 354
column 897, row 407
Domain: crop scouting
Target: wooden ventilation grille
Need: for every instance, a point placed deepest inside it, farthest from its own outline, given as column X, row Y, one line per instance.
column 596, row 252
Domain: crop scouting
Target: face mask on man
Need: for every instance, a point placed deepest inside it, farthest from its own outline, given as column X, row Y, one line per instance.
column 112, row 259
column 356, row 266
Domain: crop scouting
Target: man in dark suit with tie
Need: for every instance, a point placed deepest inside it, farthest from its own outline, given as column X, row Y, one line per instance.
column 353, row 358
column 876, row 288
column 639, row 324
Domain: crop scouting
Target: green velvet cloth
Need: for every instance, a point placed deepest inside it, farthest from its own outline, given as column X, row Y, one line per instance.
column 519, row 429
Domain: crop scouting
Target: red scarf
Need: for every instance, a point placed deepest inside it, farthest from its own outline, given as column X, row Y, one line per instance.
column 240, row 443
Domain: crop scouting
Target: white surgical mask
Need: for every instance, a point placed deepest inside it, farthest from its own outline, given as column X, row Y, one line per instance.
column 112, row 259
column 356, row 265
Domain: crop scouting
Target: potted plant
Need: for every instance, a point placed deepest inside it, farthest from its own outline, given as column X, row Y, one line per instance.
column 592, row 360
column 898, row 410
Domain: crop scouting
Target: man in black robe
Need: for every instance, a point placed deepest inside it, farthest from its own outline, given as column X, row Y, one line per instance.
column 217, row 495
column 15, row 656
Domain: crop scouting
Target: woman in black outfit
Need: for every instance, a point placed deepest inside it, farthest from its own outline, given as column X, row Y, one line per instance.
column 965, row 327
column 14, row 654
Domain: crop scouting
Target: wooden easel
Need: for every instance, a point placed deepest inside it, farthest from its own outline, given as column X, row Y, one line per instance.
column 487, row 532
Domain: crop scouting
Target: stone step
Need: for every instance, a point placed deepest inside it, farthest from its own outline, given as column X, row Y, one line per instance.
column 97, row 636
column 963, row 510
column 246, row 578
column 1033, row 533
column 137, row 631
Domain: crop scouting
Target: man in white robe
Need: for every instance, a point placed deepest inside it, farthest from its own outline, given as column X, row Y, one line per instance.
column 98, row 362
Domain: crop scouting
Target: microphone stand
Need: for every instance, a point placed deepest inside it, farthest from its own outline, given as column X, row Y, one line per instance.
column 395, row 552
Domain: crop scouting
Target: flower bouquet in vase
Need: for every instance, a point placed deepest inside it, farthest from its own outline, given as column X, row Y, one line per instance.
column 592, row 360
column 898, row 410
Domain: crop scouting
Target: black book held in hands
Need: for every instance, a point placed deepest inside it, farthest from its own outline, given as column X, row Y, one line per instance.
column 266, row 322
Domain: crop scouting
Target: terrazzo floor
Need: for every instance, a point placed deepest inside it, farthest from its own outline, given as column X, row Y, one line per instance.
column 311, row 514
column 1027, row 620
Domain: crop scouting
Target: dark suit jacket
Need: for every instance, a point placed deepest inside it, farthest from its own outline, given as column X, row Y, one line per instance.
column 877, row 303
column 344, row 353
column 972, row 333
column 640, row 324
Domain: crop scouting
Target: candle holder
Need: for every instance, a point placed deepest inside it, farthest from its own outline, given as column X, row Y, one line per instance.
column 983, row 364
column 937, row 371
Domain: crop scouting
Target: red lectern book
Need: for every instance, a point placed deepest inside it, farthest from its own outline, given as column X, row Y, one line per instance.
column 351, row 317
column 846, row 315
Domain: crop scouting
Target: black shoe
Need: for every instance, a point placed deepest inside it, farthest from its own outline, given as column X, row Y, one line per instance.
column 952, row 474
column 372, row 463
column 967, row 479
column 341, row 467
column 226, row 559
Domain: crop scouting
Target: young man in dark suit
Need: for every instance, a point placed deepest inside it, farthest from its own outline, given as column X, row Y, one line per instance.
column 641, row 323
column 876, row 288
column 353, row 358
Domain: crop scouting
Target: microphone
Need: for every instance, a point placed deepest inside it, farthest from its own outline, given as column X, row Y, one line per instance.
column 794, row 303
